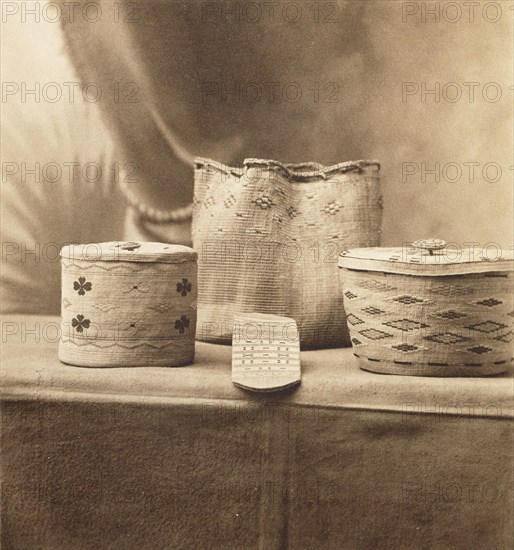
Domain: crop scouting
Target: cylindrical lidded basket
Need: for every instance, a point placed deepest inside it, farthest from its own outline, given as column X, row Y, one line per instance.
column 429, row 311
column 128, row 304
column 269, row 236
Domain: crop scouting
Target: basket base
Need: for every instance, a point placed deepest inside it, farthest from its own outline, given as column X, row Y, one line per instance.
column 399, row 369
column 275, row 388
column 91, row 364
column 90, row 356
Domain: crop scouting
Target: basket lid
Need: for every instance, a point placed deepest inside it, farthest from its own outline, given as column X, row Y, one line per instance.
column 130, row 251
column 430, row 257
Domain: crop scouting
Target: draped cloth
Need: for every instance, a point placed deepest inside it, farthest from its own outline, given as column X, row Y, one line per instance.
column 179, row 457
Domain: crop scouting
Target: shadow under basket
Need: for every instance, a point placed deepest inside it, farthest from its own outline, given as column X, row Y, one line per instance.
column 421, row 311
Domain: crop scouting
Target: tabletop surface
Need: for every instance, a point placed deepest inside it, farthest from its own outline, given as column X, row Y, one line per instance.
column 30, row 369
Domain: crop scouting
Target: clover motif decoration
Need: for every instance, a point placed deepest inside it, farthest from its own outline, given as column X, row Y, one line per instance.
column 82, row 286
column 184, row 287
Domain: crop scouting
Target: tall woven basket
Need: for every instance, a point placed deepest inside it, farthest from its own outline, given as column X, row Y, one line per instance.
column 268, row 236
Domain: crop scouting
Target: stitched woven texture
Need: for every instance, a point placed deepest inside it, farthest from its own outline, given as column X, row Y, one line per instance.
column 265, row 352
column 461, row 325
column 268, row 237
column 127, row 313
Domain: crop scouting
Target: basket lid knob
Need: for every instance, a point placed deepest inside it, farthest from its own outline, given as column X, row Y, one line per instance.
column 130, row 246
column 429, row 244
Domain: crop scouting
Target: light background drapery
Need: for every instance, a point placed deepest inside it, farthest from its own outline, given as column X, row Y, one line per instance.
column 171, row 51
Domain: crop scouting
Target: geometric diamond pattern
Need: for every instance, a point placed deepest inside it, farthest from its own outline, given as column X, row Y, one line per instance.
column 449, row 323
column 372, row 310
column 507, row 337
column 446, row 338
column 373, row 284
column 374, row 334
column 356, row 342
column 332, row 208
column 405, row 348
column 264, row 202
column 405, row 324
column 209, row 201
column 104, row 307
column 450, row 290
column 489, row 302
column 479, row 350
column 408, row 300
column 292, row 212
column 160, row 307
column 450, row 314
column 353, row 320
column 229, row 201
column 486, row 326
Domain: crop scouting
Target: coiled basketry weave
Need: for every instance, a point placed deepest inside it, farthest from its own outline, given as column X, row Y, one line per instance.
column 429, row 315
column 128, row 304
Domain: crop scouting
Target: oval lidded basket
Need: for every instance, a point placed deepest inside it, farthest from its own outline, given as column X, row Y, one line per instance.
column 128, row 304
column 268, row 236
column 430, row 311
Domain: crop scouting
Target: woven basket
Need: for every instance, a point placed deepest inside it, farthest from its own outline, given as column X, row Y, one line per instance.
column 419, row 312
column 265, row 352
column 268, row 236
column 128, row 304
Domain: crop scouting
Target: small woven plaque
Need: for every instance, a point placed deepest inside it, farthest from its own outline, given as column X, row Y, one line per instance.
column 265, row 352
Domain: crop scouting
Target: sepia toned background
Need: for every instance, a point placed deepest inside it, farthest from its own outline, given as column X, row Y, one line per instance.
column 158, row 457
column 179, row 79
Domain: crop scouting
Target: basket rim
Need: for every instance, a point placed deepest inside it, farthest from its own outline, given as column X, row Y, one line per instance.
column 301, row 171
column 373, row 259
column 120, row 251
